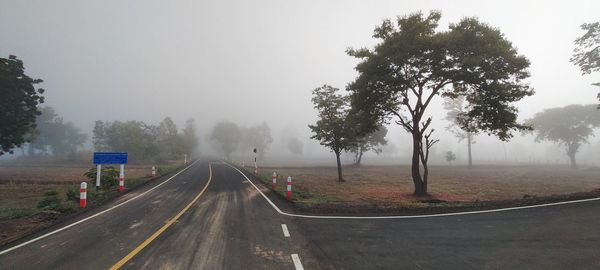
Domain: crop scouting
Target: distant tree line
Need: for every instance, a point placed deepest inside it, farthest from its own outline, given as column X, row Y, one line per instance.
column 145, row 142
column 228, row 138
column 53, row 136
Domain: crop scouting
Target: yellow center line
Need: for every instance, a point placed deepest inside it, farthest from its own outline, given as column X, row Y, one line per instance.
column 170, row 222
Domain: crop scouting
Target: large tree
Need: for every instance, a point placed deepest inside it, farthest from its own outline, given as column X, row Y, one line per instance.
column 586, row 54
column 457, row 108
column 53, row 135
column 19, row 100
column 333, row 128
column 413, row 63
column 228, row 136
column 373, row 141
column 569, row 126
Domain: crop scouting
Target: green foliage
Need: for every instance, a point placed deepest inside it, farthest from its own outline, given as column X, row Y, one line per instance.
column 373, row 141
column 586, row 54
column 51, row 201
column 228, row 136
column 413, row 63
column 569, row 126
column 258, row 137
column 19, row 102
column 109, row 176
column 334, row 128
column 53, row 135
column 72, row 194
column 145, row 142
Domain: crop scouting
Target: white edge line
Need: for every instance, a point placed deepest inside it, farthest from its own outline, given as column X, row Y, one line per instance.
column 92, row 216
column 297, row 262
column 413, row 216
column 286, row 232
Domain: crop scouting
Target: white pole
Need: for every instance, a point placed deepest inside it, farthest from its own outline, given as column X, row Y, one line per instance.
column 98, row 171
column 184, row 158
column 122, row 177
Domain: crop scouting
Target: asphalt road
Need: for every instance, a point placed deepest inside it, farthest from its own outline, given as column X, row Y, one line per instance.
column 223, row 222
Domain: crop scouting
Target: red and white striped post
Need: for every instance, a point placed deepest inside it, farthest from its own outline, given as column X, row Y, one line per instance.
column 289, row 187
column 153, row 171
column 83, row 195
column 122, row 177
column 274, row 180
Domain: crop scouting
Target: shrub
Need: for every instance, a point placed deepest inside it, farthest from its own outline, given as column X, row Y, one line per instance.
column 72, row 194
column 109, row 177
column 51, row 201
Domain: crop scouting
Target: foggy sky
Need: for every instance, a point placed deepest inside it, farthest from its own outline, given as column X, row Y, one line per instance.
column 254, row 61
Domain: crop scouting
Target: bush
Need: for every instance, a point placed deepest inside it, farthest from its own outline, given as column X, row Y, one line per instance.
column 72, row 194
column 109, row 177
column 51, row 201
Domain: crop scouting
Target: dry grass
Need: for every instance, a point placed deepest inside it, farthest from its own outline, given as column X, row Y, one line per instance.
column 57, row 174
column 392, row 185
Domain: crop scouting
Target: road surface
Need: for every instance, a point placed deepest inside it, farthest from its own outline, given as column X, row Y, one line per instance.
column 210, row 216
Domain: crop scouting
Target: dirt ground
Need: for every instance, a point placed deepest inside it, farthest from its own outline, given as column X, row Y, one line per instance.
column 391, row 186
column 22, row 187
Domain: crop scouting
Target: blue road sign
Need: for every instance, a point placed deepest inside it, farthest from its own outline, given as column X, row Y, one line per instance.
column 110, row 158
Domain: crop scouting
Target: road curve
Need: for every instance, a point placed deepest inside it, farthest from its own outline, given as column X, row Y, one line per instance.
column 231, row 226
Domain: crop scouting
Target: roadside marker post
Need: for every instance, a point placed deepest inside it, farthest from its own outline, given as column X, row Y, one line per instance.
column 289, row 187
column 153, row 171
column 185, row 160
column 274, row 180
column 255, row 165
column 83, row 195
column 122, row 177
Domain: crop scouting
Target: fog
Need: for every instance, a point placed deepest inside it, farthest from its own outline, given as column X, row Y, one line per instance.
column 254, row 61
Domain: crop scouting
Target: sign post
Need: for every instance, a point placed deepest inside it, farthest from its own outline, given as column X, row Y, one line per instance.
column 110, row 158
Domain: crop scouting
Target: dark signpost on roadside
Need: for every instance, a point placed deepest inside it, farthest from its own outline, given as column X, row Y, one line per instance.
column 111, row 158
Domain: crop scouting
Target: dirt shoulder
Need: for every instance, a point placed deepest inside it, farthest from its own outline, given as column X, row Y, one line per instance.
column 22, row 189
column 388, row 189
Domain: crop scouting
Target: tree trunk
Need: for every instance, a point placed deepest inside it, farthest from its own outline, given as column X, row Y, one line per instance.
column 360, row 154
column 339, row 166
column 573, row 162
column 31, row 150
column 571, row 151
column 420, row 188
column 470, row 141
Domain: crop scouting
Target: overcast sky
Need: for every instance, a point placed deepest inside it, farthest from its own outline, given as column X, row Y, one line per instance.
column 250, row 61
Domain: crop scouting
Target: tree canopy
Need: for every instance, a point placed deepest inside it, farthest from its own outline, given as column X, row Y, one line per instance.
column 333, row 128
column 373, row 141
column 413, row 63
column 19, row 100
column 143, row 141
column 586, row 54
column 53, row 135
column 228, row 136
column 569, row 126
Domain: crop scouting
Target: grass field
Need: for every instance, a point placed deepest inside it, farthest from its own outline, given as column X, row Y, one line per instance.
column 391, row 186
column 23, row 187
